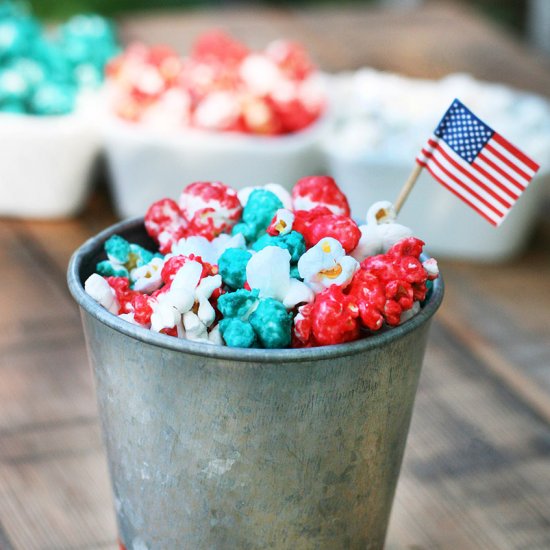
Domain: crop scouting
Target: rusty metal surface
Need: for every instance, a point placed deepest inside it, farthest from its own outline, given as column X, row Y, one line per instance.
column 214, row 448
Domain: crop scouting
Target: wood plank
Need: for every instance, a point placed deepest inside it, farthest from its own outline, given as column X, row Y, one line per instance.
column 61, row 503
column 467, row 479
column 45, row 385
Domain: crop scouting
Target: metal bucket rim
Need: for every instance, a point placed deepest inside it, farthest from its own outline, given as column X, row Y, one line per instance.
column 256, row 355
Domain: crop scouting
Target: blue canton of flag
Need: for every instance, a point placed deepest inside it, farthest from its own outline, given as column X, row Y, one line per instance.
column 476, row 163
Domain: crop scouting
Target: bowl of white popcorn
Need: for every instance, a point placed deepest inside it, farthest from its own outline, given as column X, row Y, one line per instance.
column 381, row 123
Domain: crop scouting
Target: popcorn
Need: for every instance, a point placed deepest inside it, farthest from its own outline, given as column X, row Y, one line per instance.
column 381, row 231
column 283, row 277
column 278, row 190
column 147, row 278
column 315, row 191
column 320, row 222
column 188, row 286
column 249, row 321
column 232, row 265
column 257, row 214
column 209, row 251
column 124, row 294
column 281, row 224
column 269, row 272
column 293, row 242
column 291, row 58
column 217, row 111
column 326, row 264
column 220, row 86
column 100, row 290
column 210, row 208
column 165, row 223
column 330, row 319
column 42, row 73
column 260, row 74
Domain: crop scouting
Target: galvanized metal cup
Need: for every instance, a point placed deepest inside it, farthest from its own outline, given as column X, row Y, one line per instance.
column 222, row 448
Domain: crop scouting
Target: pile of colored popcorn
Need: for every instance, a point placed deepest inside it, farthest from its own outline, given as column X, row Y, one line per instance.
column 265, row 268
column 220, row 86
column 40, row 75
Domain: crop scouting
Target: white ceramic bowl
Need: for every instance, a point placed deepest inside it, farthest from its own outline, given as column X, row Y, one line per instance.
column 383, row 121
column 450, row 228
column 46, row 164
column 147, row 165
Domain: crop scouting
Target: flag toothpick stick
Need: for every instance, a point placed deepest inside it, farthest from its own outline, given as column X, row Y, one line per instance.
column 406, row 189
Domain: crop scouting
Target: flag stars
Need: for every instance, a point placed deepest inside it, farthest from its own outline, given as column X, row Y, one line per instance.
column 463, row 131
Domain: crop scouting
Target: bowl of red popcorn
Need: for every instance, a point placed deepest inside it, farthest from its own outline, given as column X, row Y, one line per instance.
column 256, row 356
column 221, row 112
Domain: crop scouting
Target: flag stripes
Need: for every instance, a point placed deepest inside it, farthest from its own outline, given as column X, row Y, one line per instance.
column 477, row 164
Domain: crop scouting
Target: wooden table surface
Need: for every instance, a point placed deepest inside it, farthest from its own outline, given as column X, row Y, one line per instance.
column 476, row 472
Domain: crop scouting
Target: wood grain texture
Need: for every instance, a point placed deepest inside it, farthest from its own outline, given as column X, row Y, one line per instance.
column 476, row 472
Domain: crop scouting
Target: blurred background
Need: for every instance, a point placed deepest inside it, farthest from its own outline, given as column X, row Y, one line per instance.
column 529, row 19
column 476, row 472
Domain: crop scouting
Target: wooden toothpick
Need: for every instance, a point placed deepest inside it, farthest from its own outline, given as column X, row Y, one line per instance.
column 404, row 193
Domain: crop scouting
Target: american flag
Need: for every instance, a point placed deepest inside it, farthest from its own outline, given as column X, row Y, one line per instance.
column 476, row 163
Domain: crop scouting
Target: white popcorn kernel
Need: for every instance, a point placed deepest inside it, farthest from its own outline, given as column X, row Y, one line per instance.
column 194, row 328
column 198, row 245
column 284, row 219
column 100, row 290
column 381, row 231
column 206, row 313
column 218, row 110
column 208, row 285
column 326, row 264
column 215, row 336
column 188, row 275
column 182, row 299
column 269, row 271
column 320, row 257
column 129, row 317
column 431, row 267
column 297, row 293
column 259, row 74
column 224, row 241
column 164, row 315
column 147, row 278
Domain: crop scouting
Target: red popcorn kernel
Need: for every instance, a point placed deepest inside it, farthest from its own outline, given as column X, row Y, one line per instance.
column 258, row 117
column 291, row 57
column 171, row 267
column 124, row 294
column 163, row 215
column 398, row 276
column 368, row 294
column 168, row 63
column 291, row 115
column 304, row 219
column 400, row 263
column 320, row 223
column 217, row 46
column 168, row 238
column 210, row 208
column 169, row 331
column 175, row 263
column 330, row 319
column 141, row 304
column 313, row 191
